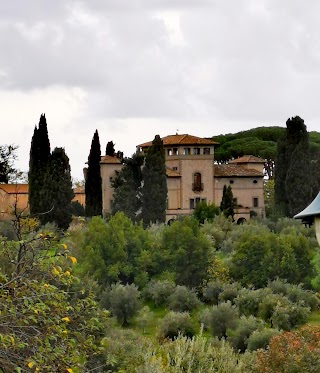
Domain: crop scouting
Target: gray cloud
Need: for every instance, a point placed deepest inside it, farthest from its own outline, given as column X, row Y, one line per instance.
column 230, row 63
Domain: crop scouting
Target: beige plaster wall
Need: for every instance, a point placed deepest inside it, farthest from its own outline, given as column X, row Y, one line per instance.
column 174, row 193
column 108, row 171
column 244, row 189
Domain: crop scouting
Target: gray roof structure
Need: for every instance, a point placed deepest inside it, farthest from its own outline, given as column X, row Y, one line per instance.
column 310, row 211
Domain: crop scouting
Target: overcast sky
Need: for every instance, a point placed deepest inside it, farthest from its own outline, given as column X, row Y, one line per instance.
column 136, row 68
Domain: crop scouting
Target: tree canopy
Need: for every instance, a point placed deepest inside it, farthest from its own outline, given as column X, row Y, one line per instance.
column 7, row 158
column 260, row 142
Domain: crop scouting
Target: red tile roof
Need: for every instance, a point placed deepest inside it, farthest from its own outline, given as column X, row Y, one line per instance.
column 15, row 188
column 172, row 173
column 232, row 170
column 247, row 159
column 108, row 159
column 181, row 140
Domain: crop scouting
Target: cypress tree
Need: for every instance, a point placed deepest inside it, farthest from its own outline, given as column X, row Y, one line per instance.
column 93, row 183
column 57, row 190
column 154, row 190
column 227, row 202
column 110, row 149
column 127, row 187
column 39, row 157
column 293, row 179
column 281, row 168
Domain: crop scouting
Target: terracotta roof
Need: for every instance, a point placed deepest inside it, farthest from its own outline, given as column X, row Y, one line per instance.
column 172, row 173
column 247, row 159
column 15, row 188
column 78, row 190
column 181, row 140
column 231, row 170
column 108, row 159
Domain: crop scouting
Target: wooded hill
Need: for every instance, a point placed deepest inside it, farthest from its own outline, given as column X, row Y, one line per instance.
column 260, row 141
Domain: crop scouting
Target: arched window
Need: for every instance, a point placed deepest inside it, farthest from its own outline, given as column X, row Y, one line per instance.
column 197, row 185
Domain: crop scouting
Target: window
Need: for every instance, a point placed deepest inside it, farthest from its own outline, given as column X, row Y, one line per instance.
column 197, row 185
column 255, row 181
column 235, row 202
column 174, row 168
column 196, row 151
column 206, row 150
column 255, row 202
column 175, row 151
column 186, row 151
column 195, row 201
column 231, row 181
column 169, row 151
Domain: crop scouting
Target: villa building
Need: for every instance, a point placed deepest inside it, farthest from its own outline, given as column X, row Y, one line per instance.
column 192, row 176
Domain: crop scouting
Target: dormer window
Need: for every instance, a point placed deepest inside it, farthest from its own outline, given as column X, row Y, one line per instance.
column 197, row 185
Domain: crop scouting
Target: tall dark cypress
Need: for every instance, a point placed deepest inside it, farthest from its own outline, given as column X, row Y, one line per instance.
column 93, row 182
column 227, row 202
column 154, row 190
column 293, row 180
column 57, row 190
column 127, row 187
column 39, row 158
column 281, row 168
column 110, row 149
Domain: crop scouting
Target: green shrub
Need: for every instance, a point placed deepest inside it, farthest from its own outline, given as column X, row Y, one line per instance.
column 7, row 230
column 278, row 286
column 295, row 293
column 298, row 295
column 77, row 209
column 259, row 339
column 230, row 292
column 183, row 299
column 144, row 318
column 204, row 212
column 174, row 324
column 212, row 291
column 288, row 315
column 159, row 291
column 268, row 304
column 219, row 318
column 124, row 302
column 248, row 300
column 239, row 336
column 192, row 355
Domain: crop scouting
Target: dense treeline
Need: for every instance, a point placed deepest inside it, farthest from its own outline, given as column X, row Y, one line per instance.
column 261, row 142
column 244, row 284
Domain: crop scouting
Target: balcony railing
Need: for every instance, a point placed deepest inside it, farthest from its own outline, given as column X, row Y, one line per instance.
column 197, row 187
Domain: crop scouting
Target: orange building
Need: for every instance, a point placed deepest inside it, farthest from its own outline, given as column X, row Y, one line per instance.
column 14, row 197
